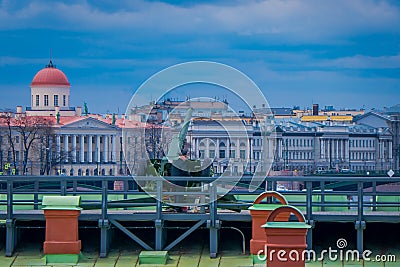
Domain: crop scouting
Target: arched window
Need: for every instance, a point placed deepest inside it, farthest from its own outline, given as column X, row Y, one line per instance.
column 201, row 143
column 111, row 172
column 71, row 172
column 87, row 172
column 79, row 172
column 96, row 172
column 103, row 172
column 222, row 144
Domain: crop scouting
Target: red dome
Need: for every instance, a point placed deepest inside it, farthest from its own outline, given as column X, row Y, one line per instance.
column 50, row 75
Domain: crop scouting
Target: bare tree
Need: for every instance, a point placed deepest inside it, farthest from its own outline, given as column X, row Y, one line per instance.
column 133, row 147
column 24, row 135
column 153, row 138
column 6, row 119
column 51, row 156
column 3, row 135
column 31, row 128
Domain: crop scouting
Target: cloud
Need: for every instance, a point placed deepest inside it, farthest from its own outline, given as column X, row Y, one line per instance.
column 310, row 21
column 366, row 62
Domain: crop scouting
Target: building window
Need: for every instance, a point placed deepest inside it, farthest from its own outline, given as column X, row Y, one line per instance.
column 17, row 139
column 212, row 153
column 37, row 100
column 222, row 153
column 242, row 154
column 55, row 100
column 46, row 100
column 201, row 152
column 232, row 154
column 64, row 100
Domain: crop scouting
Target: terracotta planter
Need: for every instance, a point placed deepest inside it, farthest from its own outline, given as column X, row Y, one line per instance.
column 61, row 213
column 286, row 241
column 62, row 232
column 259, row 214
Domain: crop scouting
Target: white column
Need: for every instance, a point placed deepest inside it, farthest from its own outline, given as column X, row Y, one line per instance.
column 248, row 148
column 105, row 144
column 73, row 148
column 98, row 147
column 334, row 149
column 228, row 147
column 217, row 149
column 237, row 148
column 322, row 142
column 90, row 148
column 114, row 149
column 279, row 148
column 196, row 148
column 390, row 149
column 328, row 149
column 58, row 143
column 341, row 144
column 193, row 146
column 66, row 147
column 207, row 152
column 82, row 147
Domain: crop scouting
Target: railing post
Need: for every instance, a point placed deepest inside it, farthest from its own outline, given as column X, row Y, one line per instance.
column 309, row 218
column 36, row 195
column 322, row 195
column 103, row 223
column 213, row 224
column 360, row 224
column 74, row 186
column 161, row 233
column 11, row 234
column 374, row 195
column 63, row 187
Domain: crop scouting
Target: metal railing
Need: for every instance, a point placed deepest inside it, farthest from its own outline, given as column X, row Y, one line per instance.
column 316, row 194
column 351, row 199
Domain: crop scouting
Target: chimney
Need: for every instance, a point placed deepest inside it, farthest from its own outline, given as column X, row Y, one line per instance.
column 315, row 109
column 19, row 109
column 78, row 111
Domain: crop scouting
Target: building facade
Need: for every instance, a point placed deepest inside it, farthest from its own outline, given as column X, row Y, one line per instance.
column 295, row 146
column 51, row 137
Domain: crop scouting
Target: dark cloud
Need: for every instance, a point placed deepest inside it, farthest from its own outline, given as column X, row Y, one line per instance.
column 313, row 47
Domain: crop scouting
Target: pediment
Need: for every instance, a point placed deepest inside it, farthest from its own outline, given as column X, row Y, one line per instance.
column 89, row 123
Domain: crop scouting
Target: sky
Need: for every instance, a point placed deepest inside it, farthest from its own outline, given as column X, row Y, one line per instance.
column 299, row 52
